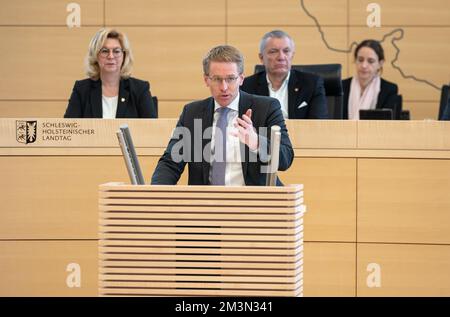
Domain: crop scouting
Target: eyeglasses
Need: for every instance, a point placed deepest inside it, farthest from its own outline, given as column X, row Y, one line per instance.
column 218, row 80
column 117, row 52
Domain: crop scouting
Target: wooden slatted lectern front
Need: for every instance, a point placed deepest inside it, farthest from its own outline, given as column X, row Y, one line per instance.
column 200, row 240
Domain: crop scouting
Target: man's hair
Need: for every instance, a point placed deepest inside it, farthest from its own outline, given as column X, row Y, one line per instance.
column 278, row 34
column 224, row 54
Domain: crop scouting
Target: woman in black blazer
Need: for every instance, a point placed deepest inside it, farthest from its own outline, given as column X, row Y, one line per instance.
column 367, row 90
column 110, row 92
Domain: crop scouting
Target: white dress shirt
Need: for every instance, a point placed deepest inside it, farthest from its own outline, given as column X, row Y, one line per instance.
column 281, row 94
column 109, row 107
column 233, row 167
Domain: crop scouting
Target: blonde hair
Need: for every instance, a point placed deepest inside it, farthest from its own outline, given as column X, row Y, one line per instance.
column 226, row 54
column 96, row 44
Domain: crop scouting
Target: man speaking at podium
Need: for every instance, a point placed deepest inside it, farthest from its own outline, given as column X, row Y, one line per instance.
column 224, row 138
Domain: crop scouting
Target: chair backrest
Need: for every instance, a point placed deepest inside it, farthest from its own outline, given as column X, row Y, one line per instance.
column 155, row 102
column 444, row 102
column 397, row 106
column 331, row 75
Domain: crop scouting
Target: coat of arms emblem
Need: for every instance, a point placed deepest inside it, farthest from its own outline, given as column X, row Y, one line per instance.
column 26, row 131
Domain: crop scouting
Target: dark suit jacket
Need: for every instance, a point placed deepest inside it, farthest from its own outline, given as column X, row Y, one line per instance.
column 134, row 101
column 302, row 87
column 386, row 97
column 266, row 112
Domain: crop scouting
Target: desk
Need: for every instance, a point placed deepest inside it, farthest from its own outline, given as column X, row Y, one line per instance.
column 375, row 192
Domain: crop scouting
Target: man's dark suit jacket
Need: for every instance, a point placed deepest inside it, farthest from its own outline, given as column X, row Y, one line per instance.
column 386, row 97
column 302, row 88
column 135, row 100
column 266, row 112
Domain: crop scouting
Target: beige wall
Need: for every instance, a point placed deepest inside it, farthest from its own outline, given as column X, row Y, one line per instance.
column 42, row 57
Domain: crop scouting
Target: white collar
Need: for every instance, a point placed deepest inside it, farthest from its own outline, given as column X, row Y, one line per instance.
column 285, row 82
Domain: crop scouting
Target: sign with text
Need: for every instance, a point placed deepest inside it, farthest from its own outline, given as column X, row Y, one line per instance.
column 55, row 132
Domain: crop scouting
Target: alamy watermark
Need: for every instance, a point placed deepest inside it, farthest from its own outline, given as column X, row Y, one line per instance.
column 374, row 277
column 374, row 18
column 188, row 146
column 74, row 277
column 74, row 17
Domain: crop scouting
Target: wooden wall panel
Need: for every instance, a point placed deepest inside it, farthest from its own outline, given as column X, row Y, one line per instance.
column 412, row 207
column 417, row 135
column 406, row 270
column 172, row 65
column 49, row 12
column 329, row 269
column 324, row 134
column 309, row 46
column 287, row 12
column 56, row 197
column 329, row 189
column 40, row 268
column 171, row 109
column 420, row 110
column 403, row 12
column 44, row 61
column 165, row 12
column 167, row 58
column 56, row 108
column 36, row 109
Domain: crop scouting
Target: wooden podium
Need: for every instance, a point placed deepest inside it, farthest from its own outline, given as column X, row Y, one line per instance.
column 200, row 240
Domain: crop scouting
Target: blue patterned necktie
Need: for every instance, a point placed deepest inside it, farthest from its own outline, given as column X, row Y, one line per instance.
column 220, row 148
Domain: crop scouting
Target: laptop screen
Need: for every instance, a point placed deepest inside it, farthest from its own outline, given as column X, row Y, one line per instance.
column 376, row 114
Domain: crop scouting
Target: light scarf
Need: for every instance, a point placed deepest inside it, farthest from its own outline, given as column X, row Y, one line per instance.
column 366, row 100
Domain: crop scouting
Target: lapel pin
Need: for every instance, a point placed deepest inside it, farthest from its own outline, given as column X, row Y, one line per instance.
column 296, row 89
column 123, row 99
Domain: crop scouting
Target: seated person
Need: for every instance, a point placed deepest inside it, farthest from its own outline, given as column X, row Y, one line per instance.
column 301, row 95
column 367, row 90
column 221, row 138
column 110, row 92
